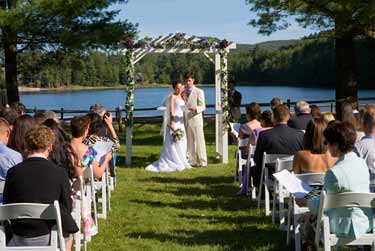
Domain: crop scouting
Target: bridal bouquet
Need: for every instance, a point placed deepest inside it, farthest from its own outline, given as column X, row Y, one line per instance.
column 177, row 134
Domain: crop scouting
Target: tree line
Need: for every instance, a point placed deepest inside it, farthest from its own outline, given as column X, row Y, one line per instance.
column 308, row 62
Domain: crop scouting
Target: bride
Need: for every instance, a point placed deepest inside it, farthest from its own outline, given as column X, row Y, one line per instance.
column 173, row 155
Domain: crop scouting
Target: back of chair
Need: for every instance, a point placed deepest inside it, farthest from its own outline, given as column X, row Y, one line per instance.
column 243, row 142
column 34, row 211
column 269, row 158
column 251, row 150
column 285, row 163
column 343, row 200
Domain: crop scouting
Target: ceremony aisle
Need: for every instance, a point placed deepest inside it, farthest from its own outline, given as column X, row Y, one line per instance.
column 190, row 210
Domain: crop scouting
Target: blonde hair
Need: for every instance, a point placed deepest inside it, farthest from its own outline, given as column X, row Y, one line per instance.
column 368, row 116
column 328, row 117
column 39, row 138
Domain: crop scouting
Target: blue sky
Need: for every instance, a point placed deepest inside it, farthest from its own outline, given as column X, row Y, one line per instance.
column 218, row 18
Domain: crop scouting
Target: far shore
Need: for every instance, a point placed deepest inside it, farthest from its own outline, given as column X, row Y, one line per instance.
column 24, row 89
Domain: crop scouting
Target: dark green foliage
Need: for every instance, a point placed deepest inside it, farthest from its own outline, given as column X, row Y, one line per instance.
column 308, row 62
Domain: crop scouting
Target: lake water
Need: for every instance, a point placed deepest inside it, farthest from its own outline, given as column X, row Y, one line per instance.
column 152, row 97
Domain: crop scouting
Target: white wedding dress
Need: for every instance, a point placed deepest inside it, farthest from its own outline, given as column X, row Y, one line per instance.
column 173, row 155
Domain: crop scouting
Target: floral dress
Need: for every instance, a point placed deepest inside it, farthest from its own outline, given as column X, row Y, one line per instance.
column 88, row 224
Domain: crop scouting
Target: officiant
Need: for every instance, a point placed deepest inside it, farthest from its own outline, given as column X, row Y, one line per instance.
column 234, row 100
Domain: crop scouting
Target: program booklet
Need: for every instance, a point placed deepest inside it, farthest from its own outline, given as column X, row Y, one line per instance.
column 102, row 148
column 295, row 186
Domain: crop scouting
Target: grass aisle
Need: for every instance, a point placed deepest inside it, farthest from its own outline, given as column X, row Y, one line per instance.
column 190, row 210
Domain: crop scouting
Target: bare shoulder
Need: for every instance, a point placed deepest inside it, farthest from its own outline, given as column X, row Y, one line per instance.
column 303, row 155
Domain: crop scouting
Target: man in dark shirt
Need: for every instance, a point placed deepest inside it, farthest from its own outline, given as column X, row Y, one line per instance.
column 303, row 116
column 38, row 180
column 234, row 100
column 279, row 140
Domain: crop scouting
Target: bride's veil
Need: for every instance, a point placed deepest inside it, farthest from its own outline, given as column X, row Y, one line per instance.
column 165, row 107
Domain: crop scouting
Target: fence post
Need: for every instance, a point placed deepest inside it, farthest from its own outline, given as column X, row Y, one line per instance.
column 331, row 107
column 119, row 118
column 62, row 114
column 288, row 103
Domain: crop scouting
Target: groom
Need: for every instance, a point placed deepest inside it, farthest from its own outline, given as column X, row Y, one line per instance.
column 196, row 145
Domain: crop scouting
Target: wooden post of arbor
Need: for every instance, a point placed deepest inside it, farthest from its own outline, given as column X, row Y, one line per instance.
column 218, row 110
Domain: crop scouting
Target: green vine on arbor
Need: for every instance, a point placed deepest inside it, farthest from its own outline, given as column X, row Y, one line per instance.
column 129, row 71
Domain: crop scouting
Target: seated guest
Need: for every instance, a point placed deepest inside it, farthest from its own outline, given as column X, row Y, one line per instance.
column 17, row 137
column 266, row 122
column 101, row 127
column 62, row 152
column 314, row 158
column 86, row 154
column 328, row 117
column 347, row 115
column 252, row 115
column 275, row 102
column 302, row 116
column 315, row 111
column 39, row 118
column 10, row 115
column 38, row 180
column 8, row 157
column 365, row 148
column 19, row 108
column 349, row 174
column 281, row 139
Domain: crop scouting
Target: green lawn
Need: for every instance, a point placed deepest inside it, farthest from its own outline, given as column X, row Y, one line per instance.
column 191, row 210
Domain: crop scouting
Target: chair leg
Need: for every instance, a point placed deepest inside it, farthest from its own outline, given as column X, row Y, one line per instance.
column 290, row 209
column 266, row 193
column 260, row 188
column 297, row 234
column 281, row 210
column 373, row 246
column 274, row 207
column 326, row 233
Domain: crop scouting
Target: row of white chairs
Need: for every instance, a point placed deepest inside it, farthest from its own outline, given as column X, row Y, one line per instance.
column 327, row 201
column 285, row 162
column 98, row 191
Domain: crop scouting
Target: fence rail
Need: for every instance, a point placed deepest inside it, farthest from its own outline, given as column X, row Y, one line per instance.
column 64, row 113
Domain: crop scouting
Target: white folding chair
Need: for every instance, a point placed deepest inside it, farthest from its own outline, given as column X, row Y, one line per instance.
column 33, row 211
column 240, row 161
column 279, row 192
column 295, row 212
column 265, row 180
column 250, row 163
column 102, row 190
column 88, row 176
column 343, row 200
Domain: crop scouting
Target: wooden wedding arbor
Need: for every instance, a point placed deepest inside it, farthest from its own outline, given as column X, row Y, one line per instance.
column 215, row 50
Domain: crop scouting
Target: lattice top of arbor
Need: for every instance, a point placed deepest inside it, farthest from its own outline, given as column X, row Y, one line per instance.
column 177, row 43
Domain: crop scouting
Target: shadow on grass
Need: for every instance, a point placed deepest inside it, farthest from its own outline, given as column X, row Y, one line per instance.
column 246, row 238
column 137, row 161
column 194, row 203
column 203, row 180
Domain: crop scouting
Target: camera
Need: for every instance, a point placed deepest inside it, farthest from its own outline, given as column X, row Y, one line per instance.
column 107, row 114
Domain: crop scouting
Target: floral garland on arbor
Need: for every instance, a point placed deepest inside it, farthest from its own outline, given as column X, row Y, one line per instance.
column 176, row 41
column 129, row 71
